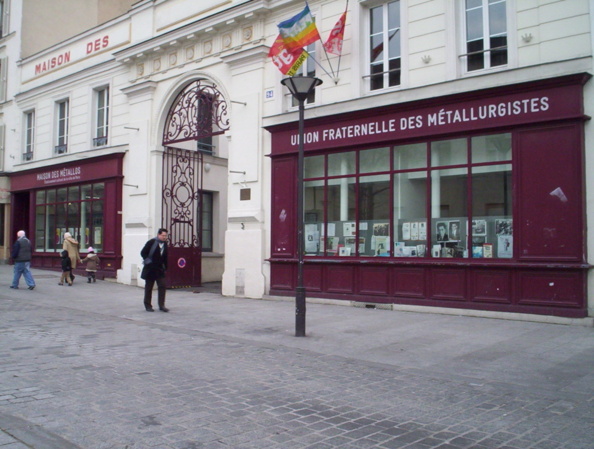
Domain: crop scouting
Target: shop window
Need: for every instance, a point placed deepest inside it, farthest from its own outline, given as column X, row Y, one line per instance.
column 486, row 41
column 207, row 221
column 74, row 209
column 450, row 199
column 385, row 57
column 62, row 119
column 101, row 117
column 308, row 68
column 29, row 136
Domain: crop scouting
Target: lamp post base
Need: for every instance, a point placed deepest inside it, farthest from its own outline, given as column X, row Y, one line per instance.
column 300, row 312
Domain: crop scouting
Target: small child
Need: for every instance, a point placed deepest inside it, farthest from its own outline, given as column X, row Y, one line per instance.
column 92, row 261
column 66, row 268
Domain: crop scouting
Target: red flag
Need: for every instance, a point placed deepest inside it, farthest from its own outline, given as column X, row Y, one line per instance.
column 287, row 62
column 334, row 43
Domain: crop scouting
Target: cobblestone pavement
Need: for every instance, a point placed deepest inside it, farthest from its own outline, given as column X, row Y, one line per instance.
column 86, row 367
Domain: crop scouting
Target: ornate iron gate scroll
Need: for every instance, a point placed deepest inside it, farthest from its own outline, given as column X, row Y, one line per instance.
column 198, row 113
column 182, row 184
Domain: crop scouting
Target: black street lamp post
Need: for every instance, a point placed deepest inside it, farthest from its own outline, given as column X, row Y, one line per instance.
column 300, row 87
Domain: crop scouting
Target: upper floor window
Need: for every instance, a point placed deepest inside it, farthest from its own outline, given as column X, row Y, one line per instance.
column 486, row 34
column 62, row 116
column 101, row 117
column 385, row 57
column 3, row 78
column 3, row 17
column 29, row 135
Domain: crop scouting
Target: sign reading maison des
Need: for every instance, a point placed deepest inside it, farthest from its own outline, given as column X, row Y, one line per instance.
column 481, row 113
column 77, row 51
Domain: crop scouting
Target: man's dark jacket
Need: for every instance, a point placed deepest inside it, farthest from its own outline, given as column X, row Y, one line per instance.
column 155, row 269
column 21, row 250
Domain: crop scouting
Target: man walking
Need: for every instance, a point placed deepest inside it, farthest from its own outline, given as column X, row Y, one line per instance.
column 21, row 254
column 154, row 256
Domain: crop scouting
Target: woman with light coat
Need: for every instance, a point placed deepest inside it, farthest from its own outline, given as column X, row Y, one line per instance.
column 71, row 245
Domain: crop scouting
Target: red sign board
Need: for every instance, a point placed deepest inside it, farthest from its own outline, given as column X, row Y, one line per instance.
column 68, row 173
column 403, row 121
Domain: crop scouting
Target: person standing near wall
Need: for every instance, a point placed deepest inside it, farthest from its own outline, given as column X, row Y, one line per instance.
column 71, row 245
column 21, row 254
column 154, row 256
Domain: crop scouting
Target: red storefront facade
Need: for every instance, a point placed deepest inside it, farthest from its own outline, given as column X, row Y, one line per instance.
column 471, row 201
column 82, row 197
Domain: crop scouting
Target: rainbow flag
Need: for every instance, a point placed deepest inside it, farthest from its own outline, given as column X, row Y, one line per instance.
column 299, row 31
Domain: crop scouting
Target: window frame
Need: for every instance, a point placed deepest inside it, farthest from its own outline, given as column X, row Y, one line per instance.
column 29, row 135
column 49, row 199
column 366, row 37
column 208, row 214
column 324, row 182
column 62, row 126
column 101, row 116
column 510, row 47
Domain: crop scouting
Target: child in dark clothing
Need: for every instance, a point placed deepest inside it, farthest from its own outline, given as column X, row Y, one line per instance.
column 66, row 268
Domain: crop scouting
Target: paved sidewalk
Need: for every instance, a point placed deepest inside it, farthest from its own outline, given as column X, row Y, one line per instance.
column 86, row 367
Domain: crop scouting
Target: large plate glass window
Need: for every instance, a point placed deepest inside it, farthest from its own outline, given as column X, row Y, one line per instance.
column 442, row 199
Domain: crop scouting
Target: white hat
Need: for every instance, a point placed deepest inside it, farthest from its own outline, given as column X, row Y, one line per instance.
column 90, row 249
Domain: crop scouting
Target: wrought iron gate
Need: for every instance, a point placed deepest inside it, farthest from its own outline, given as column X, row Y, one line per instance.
column 198, row 113
column 182, row 202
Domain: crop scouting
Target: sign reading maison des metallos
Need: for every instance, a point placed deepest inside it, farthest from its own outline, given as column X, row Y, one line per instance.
column 495, row 111
column 60, row 175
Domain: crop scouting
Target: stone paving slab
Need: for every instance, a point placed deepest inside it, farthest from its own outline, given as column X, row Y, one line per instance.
column 86, row 365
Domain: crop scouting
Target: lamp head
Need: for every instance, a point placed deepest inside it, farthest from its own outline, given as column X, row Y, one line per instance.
column 301, row 86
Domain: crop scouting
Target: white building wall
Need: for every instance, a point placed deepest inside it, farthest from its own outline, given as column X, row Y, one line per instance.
column 163, row 45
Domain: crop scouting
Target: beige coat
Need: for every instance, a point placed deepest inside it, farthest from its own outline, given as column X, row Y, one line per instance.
column 71, row 246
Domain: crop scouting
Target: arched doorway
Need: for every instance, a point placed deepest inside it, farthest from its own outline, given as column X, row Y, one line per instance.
column 198, row 114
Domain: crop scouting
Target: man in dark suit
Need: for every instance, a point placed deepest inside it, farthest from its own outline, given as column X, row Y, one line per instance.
column 154, row 255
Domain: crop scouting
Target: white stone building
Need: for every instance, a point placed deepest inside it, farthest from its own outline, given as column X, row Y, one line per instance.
column 444, row 114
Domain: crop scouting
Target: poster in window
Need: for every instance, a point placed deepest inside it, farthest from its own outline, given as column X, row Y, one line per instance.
column 344, row 251
column 504, row 227
column 477, row 252
column 479, row 227
column 505, row 245
column 382, row 245
column 454, row 231
column 488, row 250
column 381, row 229
column 349, row 229
column 98, row 236
column 332, row 243
column 422, row 230
column 350, row 242
column 406, row 231
column 414, row 230
column 312, row 238
column 442, row 231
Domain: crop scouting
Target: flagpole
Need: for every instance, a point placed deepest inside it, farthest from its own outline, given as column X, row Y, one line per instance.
column 317, row 63
column 327, row 59
column 346, row 9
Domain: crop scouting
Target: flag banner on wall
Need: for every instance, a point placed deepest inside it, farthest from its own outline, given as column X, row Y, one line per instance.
column 286, row 61
column 334, row 43
column 299, row 31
